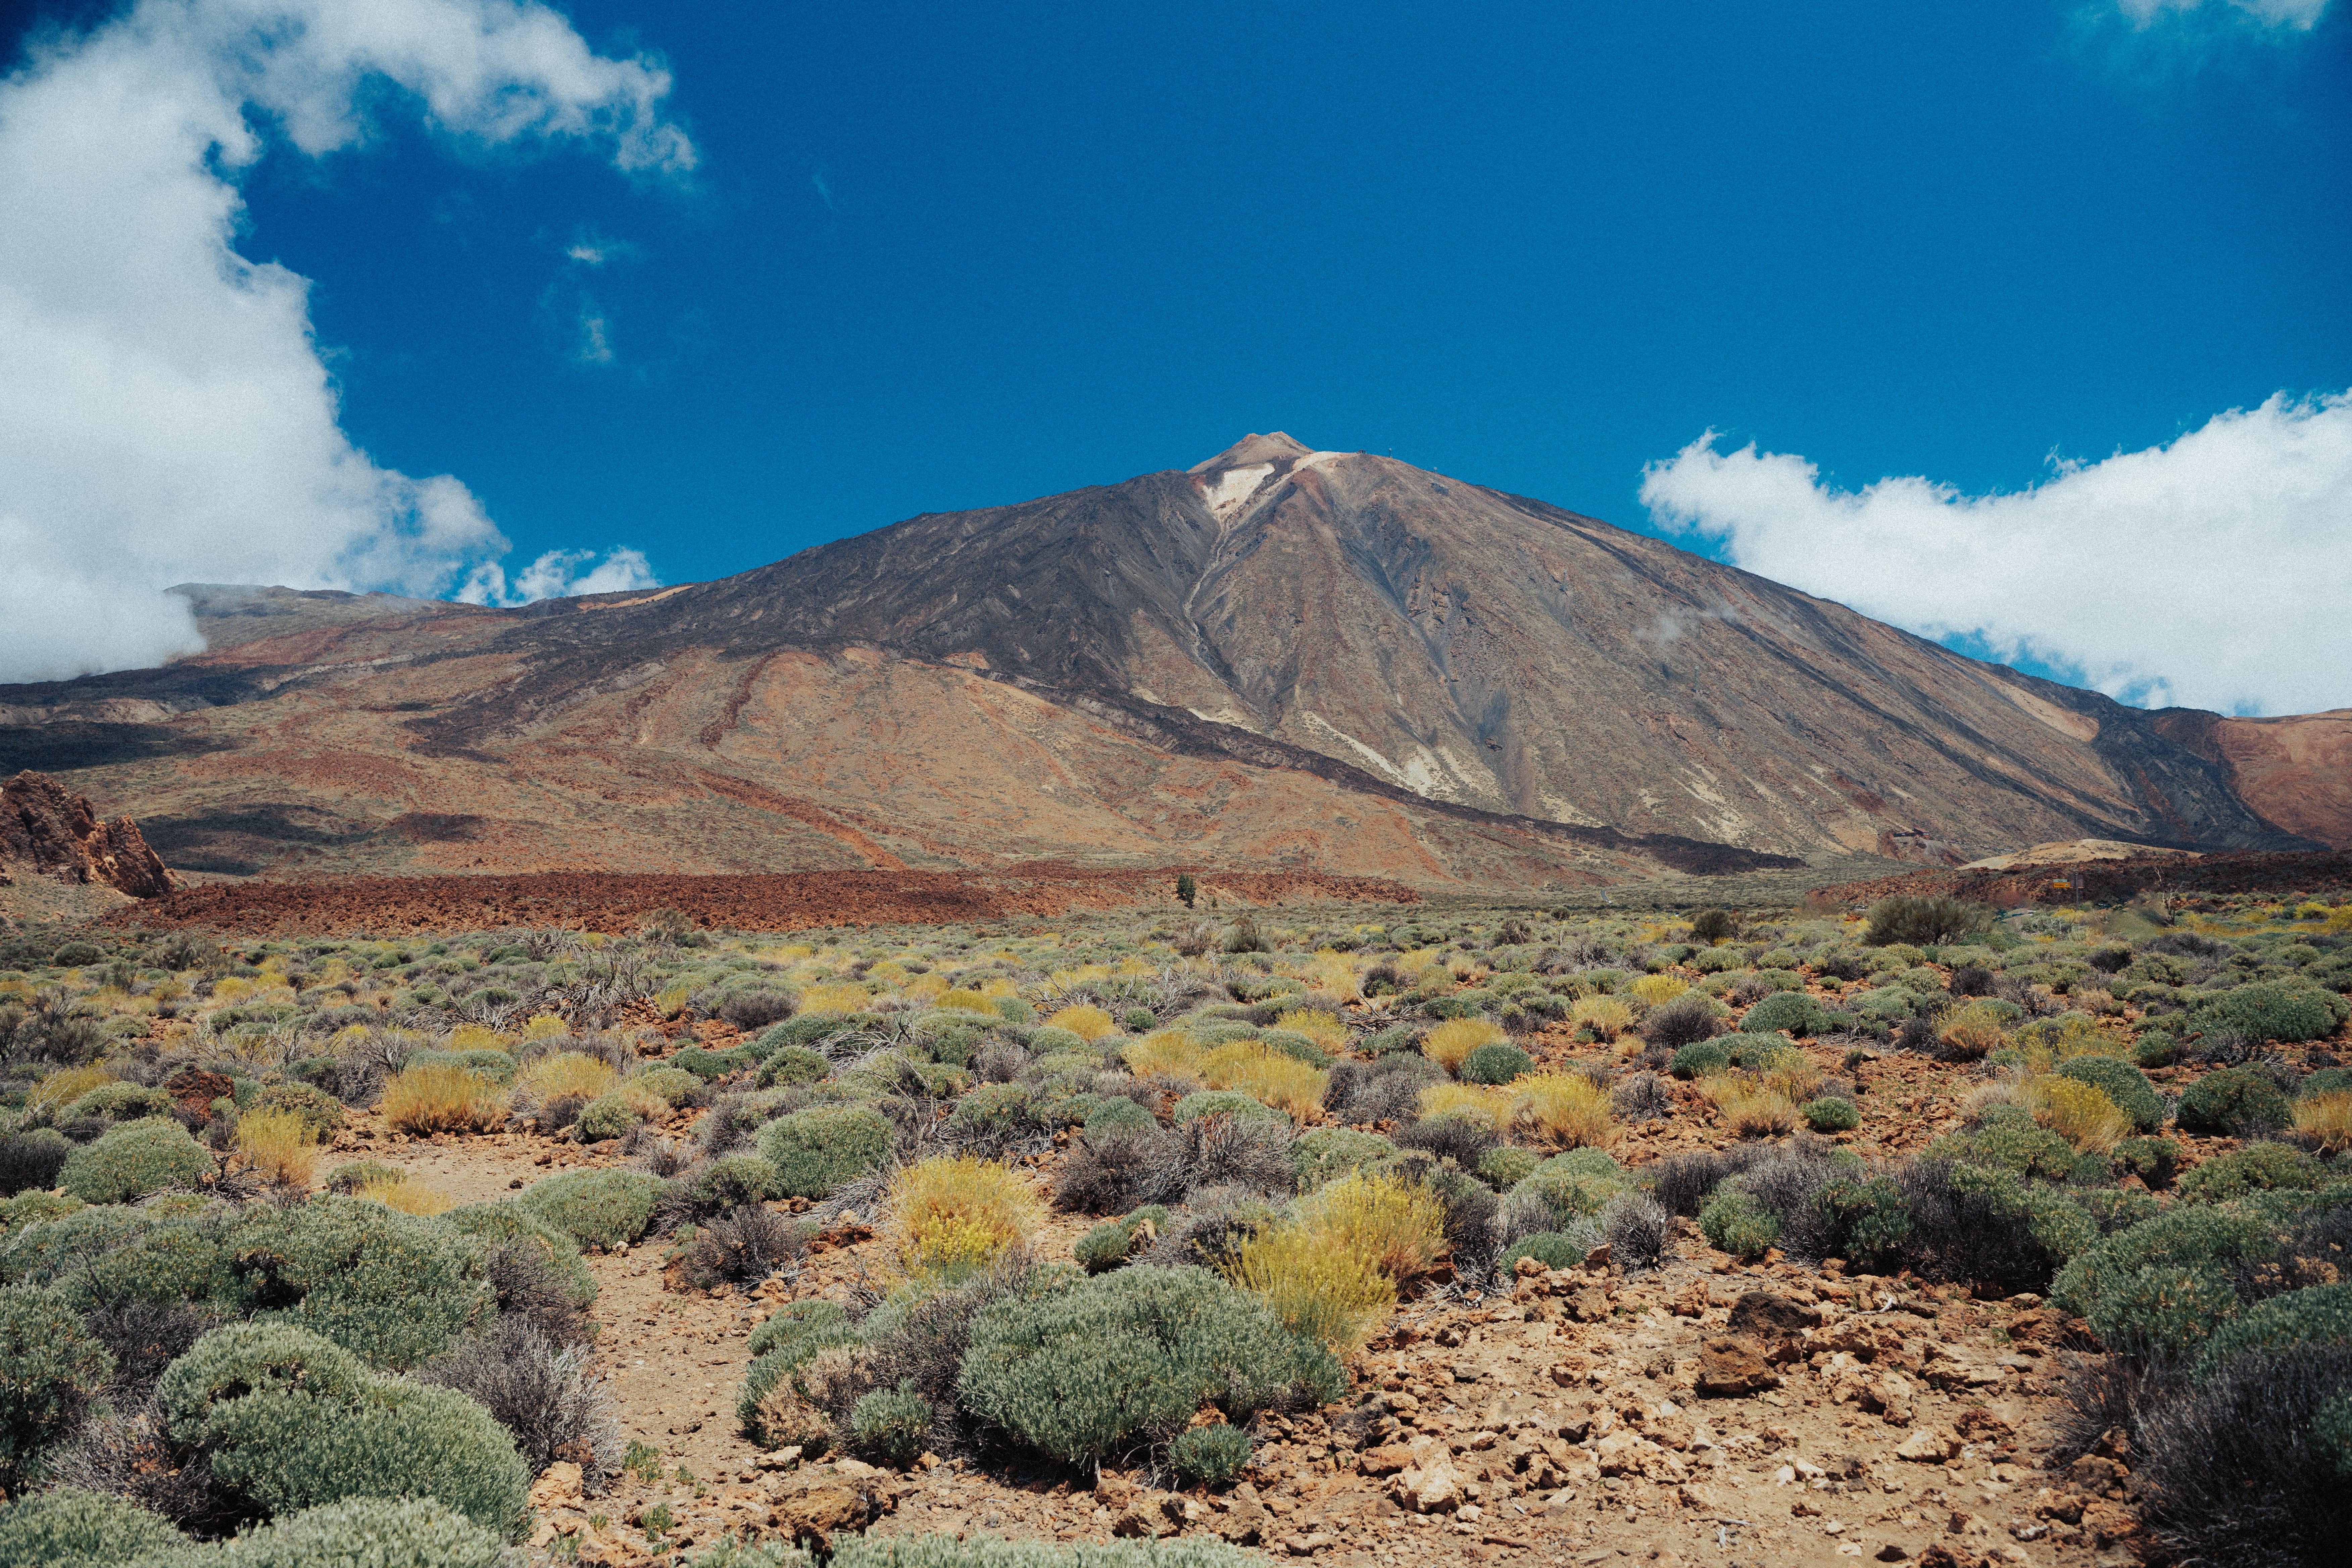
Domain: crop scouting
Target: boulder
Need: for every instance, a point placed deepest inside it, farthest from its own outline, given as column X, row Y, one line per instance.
column 51, row 833
column 1733, row 1367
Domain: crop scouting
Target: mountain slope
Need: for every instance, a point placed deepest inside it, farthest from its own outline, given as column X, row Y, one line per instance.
column 1277, row 656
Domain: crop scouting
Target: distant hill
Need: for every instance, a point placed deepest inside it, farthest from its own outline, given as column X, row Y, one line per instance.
column 1276, row 658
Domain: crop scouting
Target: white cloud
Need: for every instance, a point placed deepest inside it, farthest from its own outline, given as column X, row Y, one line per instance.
column 558, row 574
column 2294, row 15
column 2211, row 573
column 164, row 411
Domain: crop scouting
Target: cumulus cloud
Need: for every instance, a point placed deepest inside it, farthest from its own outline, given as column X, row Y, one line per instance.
column 560, row 574
column 2293, row 15
column 164, row 410
column 2211, row 573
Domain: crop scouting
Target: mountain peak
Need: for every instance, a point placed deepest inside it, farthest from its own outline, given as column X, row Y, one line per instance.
column 1254, row 448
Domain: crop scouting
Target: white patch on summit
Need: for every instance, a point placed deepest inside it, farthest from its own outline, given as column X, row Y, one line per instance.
column 1234, row 487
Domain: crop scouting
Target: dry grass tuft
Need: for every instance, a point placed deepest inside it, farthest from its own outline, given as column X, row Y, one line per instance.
column 1396, row 1226
column 1974, row 1031
column 2079, row 1112
column 568, row 1072
column 1086, row 1021
column 1567, row 1110
column 1657, row 990
column 961, row 1000
column 836, row 999
column 1324, row 1028
column 1314, row 1284
column 1450, row 1043
column 1170, row 1053
column 2327, row 1120
column 1286, row 1083
column 407, row 1196
column 278, row 1144
column 950, row 1218
column 1471, row 1103
column 438, row 1097
column 65, row 1086
column 1606, row 1016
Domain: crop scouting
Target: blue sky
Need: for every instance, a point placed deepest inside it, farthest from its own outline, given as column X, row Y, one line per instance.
column 937, row 258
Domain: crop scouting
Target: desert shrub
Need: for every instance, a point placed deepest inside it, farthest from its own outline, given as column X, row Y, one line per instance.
column 1459, row 1139
column 1323, row 1153
column 1083, row 1372
column 1639, row 1231
column 567, row 1074
column 2078, row 1111
column 749, row 1010
column 1396, row 1226
column 509, row 1224
column 1924, row 922
column 730, row 1181
column 796, row 1322
column 1104, row 1247
column 2258, row 1167
column 1318, row 1286
column 29, row 1161
column 1735, row 1223
column 1701, row 1058
column 947, row 1217
column 388, row 1287
column 1116, row 1117
column 596, row 1208
column 2152, row 1159
column 1211, row 1454
column 2317, row 1315
column 443, row 1098
column 133, row 1160
column 1449, row 1044
column 1686, row 1020
column 709, row 1066
column 1606, row 1016
column 1086, row 1021
column 1504, row 1166
column 1683, row 1183
column 816, row 1150
column 2156, row 1290
column 889, row 1424
column 2009, row 1140
column 1566, row 1110
column 1974, row 1031
column 745, row 1244
column 2232, row 1099
column 1831, row 1115
column 608, row 1116
column 2120, row 1082
column 50, row 1367
column 1483, row 1105
column 1552, row 1249
column 73, row 1528
column 1494, row 1062
column 793, row 1064
column 995, row 1114
column 2269, row 1010
column 117, row 1101
column 2241, row 1468
column 2325, row 1121
column 1786, row 1012
column 291, row 1421
column 1395, row 1037
column 2156, row 1048
column 321, row 1112
column 672, row 1086
column 1120, row 1173
column 541, row 1392
column 1220, row 1102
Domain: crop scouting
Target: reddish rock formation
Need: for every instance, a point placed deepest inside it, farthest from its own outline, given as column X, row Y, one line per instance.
column 47, row 831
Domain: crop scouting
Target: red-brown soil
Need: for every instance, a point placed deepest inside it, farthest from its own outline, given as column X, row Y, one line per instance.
column 2104, row 882
column 788, row 901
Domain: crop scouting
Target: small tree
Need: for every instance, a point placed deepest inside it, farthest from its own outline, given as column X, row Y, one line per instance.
column 1185, row 888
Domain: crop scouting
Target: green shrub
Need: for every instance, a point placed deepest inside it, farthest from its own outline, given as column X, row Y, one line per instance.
column 48, row 1369
column 119, row 1101
column 1103, row 1246
column 1735, row 1223
column 1000, row 1110
column 27, row 1209
column 2156, row 1048
column 483, row 1061
column 169, row 1259
column 606, row 1117
column 2114, row 1208
column 1886, row 1005
column 2317, row 1314
column 1221, row 1103
column 1831, row 1115
column 733, row 1181
column 1701, row 1058
column 133, row 1160
column 2269, row 1010
column 889, row 1424
column 321, row 1112
column 2121, row 1083
column 815, row 1151
column 1213, row 1455
column 1786, row 1012
column 1505, row 1165
column 795, row 1321
column 292, row 1421
column 1083, row 1372
column 1497, row 1061
column 2327, row 1080
column 1924, row 922
column 804, row 1031
column 46, row 1250
column 1297, row 1046
column 596, row 1208
column 509, row 1224
column 776, row 1405
column 709, row 1066
column 2158, row 1289
column 1117, row 1115
column 793, row 1064
column 74, row 954
column 2232, row 1099
column 1395, row 1037
column 71, row 1527
column 1551, row 1248
column 673, row 1086
column 392, row 1287
column 2266, row 1166
column 1759, row 1052
column 361, row 1532
column 1872, row 1221
column 2009, row 1140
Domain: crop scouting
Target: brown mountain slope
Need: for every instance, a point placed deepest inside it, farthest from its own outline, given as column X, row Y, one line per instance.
column 2295, row 772
column 1279, row 657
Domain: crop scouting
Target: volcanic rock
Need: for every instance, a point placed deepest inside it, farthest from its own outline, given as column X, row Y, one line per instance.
column 47, row 831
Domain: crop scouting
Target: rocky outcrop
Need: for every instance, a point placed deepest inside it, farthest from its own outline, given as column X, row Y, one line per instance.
column 46, row 832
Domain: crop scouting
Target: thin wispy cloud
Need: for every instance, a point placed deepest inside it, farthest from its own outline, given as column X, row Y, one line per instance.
column 2210, row 572
column 560, row 574
column 2288, row 15
column 166, row 411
